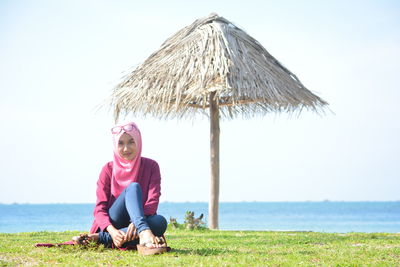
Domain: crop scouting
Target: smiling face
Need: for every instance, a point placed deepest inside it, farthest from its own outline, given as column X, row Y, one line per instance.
column 127, row 148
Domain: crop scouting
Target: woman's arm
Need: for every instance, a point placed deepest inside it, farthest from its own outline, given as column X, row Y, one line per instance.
column 103, row 193
column 153, row 196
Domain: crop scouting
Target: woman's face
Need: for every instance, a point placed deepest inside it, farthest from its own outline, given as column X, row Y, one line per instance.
column 127, row 148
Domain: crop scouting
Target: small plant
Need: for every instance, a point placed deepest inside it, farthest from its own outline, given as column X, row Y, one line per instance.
column 173, row 223
column 193, row 223
column 190, row 223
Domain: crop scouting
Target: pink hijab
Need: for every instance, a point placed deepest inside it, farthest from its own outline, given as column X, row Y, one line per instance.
column 125, row 172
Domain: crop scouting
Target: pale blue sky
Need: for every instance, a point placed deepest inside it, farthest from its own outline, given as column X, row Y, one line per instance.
column 59, row 59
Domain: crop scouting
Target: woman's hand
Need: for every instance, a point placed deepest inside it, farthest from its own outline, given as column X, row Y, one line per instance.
column 131, row 233
column 118, row 236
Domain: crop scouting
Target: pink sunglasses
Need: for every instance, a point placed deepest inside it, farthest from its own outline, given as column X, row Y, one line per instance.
column 126, row 128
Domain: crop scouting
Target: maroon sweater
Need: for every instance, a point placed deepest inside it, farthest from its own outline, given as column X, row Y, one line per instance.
column 149, row 180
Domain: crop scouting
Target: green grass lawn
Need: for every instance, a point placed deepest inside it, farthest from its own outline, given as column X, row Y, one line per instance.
column 214, row 248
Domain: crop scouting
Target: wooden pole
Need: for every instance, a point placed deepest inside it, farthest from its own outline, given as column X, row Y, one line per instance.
column 214, row 153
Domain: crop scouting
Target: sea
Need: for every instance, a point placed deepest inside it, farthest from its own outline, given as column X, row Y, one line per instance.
column 326, row 216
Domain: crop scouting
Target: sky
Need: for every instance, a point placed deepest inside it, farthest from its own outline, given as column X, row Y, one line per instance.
column 59, row 60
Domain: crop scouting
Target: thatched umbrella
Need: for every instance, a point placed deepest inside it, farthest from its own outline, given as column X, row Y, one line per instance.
column 211, row 64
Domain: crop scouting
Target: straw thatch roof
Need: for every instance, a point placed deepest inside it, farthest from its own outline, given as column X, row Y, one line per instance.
column 211, row 55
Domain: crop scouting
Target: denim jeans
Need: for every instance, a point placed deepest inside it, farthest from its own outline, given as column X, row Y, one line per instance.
column 128, row 208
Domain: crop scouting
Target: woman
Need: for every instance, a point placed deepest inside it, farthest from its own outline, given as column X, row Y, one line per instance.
column 128, row 192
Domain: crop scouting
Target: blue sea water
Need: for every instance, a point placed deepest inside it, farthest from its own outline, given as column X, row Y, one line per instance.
column 326, row 216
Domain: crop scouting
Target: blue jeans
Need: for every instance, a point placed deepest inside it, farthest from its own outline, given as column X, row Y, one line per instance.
column 128, row 208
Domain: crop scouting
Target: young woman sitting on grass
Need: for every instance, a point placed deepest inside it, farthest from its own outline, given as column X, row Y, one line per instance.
column 128, row 192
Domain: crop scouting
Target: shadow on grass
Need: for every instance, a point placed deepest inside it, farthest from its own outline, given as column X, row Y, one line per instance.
column 201, row 251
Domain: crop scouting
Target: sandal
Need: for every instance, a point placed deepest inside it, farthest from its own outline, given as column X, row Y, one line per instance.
column 145, row 250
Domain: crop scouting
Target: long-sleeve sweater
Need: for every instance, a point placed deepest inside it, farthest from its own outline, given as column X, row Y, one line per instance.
column 149, row 179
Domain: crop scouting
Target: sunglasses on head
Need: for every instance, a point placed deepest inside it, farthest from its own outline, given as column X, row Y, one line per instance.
column 126, row 128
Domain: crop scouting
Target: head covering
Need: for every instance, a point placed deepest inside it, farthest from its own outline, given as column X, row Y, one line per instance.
column 124, row 171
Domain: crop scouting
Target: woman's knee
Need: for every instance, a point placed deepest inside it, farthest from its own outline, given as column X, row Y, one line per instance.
column 134, row 186
column 158, row 224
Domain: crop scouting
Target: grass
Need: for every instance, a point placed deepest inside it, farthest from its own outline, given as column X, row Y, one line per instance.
column 213, row 248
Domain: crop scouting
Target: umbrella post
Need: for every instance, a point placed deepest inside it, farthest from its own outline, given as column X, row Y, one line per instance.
column 214, row 153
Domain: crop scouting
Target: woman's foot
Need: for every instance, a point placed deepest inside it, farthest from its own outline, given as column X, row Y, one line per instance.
column 85, row 239
column 152, row 245
column 148, row 239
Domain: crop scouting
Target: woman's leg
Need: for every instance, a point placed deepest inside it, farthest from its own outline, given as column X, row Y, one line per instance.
column 127, row 208
column 158, row 224
column 134, row 206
